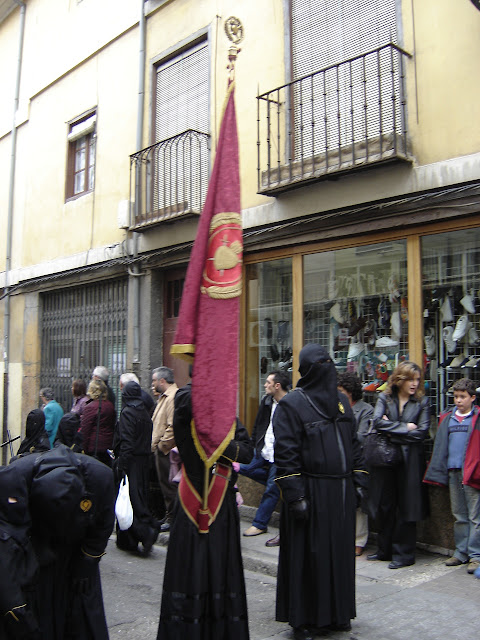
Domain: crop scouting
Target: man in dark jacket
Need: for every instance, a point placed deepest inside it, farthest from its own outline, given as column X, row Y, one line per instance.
column 132, row 445
column 262, row 468
column 319, row 462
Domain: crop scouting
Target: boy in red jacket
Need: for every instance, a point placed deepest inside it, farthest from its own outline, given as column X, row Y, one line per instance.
column 456, row 463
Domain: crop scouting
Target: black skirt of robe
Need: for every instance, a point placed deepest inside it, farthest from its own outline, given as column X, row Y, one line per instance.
column 204, row 588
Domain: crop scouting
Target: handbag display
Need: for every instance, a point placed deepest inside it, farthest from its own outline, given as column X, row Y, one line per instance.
column 123, row 506
column 379, row 450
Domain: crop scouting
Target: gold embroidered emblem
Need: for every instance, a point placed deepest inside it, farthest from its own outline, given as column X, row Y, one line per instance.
column 85, row 505
column 341, row 408
column 222, row 274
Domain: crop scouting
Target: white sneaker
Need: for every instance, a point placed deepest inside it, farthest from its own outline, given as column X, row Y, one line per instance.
column 457, row 361
column 471, row 363
column 430, row 344
column 354, row 350
column 467, row 303
column 446, row 310
column 447, row 338
column 385, row 342
column 336, row 313
column 473, row 336
column 396, row 324
column 461, row 328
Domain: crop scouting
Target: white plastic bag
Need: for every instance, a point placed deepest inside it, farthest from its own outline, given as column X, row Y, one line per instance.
column 123, row 506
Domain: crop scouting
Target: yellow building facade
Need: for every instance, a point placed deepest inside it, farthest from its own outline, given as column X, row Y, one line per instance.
column 359, row 140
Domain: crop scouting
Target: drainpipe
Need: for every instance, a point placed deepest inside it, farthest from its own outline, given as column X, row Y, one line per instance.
column 135, row 272
column 8, row 259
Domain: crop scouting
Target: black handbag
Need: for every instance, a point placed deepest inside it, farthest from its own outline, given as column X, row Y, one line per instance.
column 379, row 450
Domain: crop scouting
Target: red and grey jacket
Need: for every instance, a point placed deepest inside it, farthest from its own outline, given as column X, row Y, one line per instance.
column 437, row 472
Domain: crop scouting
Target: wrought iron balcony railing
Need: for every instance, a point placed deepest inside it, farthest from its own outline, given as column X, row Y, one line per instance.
column 346, row 116
column 169, row 179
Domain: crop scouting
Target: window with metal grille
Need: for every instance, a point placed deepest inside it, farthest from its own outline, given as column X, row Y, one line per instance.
column 344, row 102
column 83, row 327
column 81, row 156
column 180, row 168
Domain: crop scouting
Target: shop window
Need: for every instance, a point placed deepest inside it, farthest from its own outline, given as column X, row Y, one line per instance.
column 355, row 305
column 81, row 156
column 269, row 326
column 451, row 281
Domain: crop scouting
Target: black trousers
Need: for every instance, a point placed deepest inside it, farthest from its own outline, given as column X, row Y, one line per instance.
column 396, row 538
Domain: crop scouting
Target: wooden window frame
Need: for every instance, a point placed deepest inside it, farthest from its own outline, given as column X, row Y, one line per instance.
column 88, row 138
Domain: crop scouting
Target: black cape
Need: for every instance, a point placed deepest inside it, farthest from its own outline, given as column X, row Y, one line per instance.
column 318, row 457
column 204, row 587
column 36, row 438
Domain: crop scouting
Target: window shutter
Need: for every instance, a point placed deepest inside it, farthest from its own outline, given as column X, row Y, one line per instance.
column 182, row 93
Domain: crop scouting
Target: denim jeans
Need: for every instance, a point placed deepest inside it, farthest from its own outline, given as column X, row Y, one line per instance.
column 263, row 472
column 465, row 502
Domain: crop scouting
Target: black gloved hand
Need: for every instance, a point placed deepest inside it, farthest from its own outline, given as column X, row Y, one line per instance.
column 299, row 509
column 21, row 624
column 119, row 469
column 84, row 569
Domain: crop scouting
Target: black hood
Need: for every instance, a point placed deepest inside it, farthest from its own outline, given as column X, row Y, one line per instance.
column 14, row 513
column 67, row 428
column 319, row 378
column 35, row 434
column 132, row 395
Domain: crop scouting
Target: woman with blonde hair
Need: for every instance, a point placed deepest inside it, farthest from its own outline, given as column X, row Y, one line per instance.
column 98, row 422
column 397, row 497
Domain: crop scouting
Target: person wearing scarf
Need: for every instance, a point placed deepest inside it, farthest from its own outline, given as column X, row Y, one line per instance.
column 319, row 465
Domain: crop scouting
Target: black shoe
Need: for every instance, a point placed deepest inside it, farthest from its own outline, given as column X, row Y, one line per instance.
column 273, row 542
column 347, row 626
column 376, row 556
column 165, row 527
column 303, row 633
column 396, row 564
column 150, row 541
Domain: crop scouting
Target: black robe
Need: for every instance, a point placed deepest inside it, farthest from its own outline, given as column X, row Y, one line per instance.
column 316, row 572
column 132, row 446
column 18, row 564
column 204, row 587
column 71, row 499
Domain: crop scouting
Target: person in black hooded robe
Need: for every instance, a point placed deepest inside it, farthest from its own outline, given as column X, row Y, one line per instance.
column 319, row 462
column 18, row 564
column 67, row 432
column 71, row 502
column 132, row 447
column 36, row 438
column 204, row 588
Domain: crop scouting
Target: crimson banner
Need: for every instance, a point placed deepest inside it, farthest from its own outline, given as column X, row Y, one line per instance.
column 208, row 324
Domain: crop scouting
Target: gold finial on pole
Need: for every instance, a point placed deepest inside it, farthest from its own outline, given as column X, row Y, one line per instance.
column 234, row 31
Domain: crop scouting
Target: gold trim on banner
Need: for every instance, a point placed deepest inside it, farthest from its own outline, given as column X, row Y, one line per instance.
column 222, row 293
column 183, row 351
column 225, row 218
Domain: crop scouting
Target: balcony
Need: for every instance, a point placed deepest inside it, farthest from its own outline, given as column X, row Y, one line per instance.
column 343, row 118
column 169, row 179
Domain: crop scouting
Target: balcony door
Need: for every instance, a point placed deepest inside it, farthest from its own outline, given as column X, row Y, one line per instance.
column 352, row 100
column 181, row 164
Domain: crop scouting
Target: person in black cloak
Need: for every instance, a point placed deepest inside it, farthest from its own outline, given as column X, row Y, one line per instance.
column 36, row 438
column 18, row 564
column 204, row 588
column 132, row 447
column 67, row 432
column 71, row 499
column 319, row 464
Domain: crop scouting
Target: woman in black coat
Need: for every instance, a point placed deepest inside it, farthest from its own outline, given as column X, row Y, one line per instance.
column 397, row 497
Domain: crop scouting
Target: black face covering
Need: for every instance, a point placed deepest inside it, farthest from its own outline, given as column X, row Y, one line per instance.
column 34, row 432
column 319, row 378
column 14, row 513
column 67, row 428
